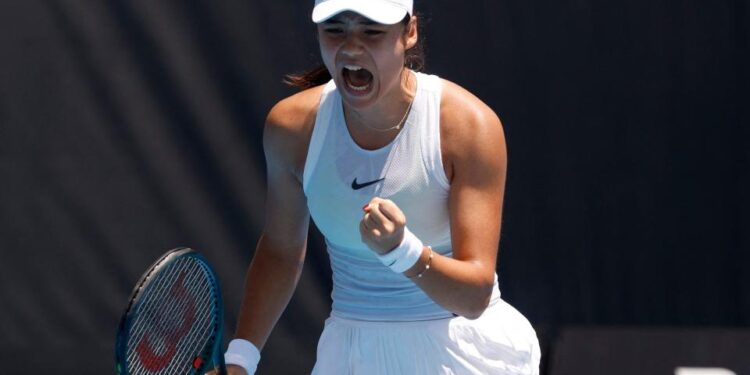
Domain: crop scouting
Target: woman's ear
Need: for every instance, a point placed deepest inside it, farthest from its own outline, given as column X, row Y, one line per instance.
column 410, row 33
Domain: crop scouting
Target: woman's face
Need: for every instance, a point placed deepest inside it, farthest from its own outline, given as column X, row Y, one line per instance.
column 364, row 58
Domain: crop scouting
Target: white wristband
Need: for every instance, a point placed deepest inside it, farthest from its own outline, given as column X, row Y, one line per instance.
column 244, row 354
column 405, row 255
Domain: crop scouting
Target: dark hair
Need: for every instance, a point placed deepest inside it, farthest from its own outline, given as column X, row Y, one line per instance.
column 414, row 59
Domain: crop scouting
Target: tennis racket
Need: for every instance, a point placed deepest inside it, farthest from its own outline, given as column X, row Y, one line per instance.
column 174, row 320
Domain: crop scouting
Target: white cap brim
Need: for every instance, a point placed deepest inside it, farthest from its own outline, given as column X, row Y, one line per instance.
column 378, row 11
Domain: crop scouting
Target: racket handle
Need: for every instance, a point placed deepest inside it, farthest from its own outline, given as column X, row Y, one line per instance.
column 222, row 367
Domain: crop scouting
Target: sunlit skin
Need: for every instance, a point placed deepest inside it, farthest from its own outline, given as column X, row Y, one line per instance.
column 474, row 160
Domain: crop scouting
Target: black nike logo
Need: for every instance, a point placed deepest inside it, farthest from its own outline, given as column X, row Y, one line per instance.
column 357, row 186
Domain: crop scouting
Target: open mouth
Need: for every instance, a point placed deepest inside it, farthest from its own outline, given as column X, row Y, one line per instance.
column 357, row 78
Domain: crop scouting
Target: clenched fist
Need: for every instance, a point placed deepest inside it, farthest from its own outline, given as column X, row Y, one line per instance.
column 382, row 226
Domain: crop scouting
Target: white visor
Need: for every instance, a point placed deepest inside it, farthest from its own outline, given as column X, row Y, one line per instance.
column 387, row 12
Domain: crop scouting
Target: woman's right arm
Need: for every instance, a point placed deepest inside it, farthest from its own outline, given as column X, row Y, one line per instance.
column 279, row 256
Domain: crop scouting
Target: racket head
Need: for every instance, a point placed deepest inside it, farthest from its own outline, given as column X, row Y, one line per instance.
column 174, row 319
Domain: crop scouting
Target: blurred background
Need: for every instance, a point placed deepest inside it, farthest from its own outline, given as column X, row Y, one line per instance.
column 128, row 128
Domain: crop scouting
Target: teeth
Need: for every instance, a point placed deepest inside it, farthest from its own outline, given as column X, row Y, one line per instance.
column 352, row 67
column 357, row 88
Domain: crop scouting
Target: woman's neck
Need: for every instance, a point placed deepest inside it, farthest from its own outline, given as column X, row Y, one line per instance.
column 389, row 113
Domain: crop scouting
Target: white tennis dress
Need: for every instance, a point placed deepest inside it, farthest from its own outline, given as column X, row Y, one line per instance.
column 381, row 322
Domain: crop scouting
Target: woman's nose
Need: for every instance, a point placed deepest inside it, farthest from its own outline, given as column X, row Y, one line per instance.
column 351, row 47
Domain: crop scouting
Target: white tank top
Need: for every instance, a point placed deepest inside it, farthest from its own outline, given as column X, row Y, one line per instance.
column 340, row 177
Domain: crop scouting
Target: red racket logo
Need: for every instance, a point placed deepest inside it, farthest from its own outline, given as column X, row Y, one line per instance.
column 168, row 330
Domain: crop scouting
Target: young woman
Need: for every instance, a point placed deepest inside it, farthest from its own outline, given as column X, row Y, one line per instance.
column 404, row 174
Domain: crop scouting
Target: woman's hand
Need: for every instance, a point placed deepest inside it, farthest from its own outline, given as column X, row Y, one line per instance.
column 382, row 226
column 231, row 370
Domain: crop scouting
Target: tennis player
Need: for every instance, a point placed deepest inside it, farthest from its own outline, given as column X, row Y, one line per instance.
column 404, row 174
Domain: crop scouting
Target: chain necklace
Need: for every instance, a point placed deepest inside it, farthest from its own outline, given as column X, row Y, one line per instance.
column 398, row 125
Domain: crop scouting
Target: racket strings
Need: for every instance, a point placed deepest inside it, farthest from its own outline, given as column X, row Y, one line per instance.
column 176, row 318
column 154, row 305
column 176, row 330
column 193, row 343
column 171, row 341
column 157, row 306
column 203, row 333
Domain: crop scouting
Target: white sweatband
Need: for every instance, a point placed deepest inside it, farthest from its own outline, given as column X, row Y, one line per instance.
column 405, row 255
column 244, row 354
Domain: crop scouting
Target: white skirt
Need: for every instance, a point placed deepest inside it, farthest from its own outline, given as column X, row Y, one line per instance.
column 501, row 341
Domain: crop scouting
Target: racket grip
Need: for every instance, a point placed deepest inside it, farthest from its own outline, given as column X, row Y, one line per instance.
column 219, row 364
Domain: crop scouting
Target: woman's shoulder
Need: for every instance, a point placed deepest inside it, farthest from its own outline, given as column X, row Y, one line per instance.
column 471, row 134
column 289, row 125
column 293, row 117
column 463, row 115
column 297, row 111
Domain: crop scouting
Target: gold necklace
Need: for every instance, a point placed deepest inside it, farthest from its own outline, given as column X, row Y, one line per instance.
column 397, row 126
column 400, row 123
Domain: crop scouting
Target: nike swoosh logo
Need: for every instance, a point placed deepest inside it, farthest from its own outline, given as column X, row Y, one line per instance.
column 357, row 186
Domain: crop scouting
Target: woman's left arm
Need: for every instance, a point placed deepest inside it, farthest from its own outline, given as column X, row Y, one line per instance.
column 475, row 157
